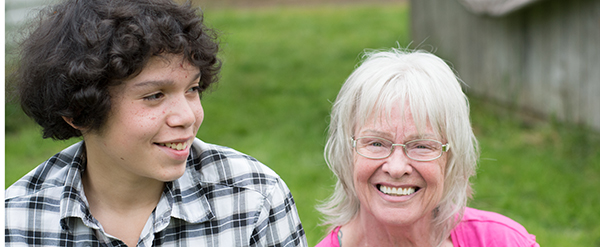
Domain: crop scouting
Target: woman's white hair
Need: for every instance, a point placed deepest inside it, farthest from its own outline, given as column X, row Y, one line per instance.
column 433, row 93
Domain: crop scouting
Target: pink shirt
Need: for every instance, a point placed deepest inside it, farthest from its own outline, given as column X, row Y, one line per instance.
column 477, row 229
column 483, row 228
column 330, row 240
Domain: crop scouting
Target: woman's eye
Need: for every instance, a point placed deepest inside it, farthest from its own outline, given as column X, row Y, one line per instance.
column 425, row 146
column 155, row 96
column 377, row 144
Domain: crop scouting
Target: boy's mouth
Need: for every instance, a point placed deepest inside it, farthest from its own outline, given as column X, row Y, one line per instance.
column 175, row 145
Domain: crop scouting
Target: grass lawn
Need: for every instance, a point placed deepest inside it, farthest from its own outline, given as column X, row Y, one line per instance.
column 283, row 66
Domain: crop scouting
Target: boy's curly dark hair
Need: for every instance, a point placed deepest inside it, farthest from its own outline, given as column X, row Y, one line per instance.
column 81, row 47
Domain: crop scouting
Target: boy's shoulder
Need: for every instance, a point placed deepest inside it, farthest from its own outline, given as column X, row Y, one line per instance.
column 50, row 175
column 226, row 166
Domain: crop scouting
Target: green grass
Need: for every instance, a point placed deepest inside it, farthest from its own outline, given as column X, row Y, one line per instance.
column 545, row 175
column 282, row 68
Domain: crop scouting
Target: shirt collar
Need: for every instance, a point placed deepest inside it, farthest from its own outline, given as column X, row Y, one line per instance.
column 182, row 200
column 73, row 203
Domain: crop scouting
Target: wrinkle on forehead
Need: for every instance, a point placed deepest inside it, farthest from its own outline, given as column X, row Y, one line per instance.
column 389, row 118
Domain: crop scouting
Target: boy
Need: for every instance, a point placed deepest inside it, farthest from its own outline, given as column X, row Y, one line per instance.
column 126, row 76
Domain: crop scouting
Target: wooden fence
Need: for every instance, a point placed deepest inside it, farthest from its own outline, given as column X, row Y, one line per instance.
column 544, row 58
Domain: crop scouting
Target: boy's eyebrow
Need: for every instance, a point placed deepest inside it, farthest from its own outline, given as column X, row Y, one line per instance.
column 154, row 83
column 159, row 83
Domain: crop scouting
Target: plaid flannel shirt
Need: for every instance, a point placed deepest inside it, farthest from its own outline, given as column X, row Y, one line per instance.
column 225, row 198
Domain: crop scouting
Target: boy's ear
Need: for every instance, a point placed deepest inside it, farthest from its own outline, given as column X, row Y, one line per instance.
column 70, row 122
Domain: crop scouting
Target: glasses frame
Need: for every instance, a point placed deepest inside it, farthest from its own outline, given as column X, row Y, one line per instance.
column 445, row 148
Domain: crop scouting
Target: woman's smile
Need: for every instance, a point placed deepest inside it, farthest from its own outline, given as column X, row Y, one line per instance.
column 397, row 191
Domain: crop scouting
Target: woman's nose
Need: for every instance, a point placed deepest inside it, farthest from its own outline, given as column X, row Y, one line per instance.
column 398, row 164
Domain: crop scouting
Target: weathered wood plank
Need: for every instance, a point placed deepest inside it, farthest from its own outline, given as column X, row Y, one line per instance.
column 544, row 58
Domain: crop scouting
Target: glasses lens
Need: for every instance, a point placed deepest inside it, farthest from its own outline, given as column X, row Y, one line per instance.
column 373, row 147
column 423, row 149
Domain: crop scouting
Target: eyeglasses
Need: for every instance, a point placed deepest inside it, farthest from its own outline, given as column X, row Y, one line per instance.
column 379, row 148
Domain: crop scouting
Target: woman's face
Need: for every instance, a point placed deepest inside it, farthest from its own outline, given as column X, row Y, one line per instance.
column 372, row 177
column 153, row 121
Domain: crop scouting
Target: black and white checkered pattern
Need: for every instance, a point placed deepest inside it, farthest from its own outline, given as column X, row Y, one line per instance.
column 225, row 198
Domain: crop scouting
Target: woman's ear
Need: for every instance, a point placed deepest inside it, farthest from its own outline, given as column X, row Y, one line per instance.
column 70, row 122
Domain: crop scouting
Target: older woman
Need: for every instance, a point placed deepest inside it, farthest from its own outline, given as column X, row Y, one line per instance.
column 401, row 145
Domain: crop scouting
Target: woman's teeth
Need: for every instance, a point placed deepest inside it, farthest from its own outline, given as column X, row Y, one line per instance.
column 175, row 145
column 396, row 191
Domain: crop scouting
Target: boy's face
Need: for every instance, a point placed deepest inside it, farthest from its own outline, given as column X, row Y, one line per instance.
column 153, row 121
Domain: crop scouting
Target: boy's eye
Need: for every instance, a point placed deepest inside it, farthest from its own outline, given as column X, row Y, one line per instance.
column 194, row 89
column 155, row 96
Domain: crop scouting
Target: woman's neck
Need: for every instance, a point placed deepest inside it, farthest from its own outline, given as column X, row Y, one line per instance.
column 365, row 230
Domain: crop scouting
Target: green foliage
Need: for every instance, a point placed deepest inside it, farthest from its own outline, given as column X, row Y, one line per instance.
column 283, row 67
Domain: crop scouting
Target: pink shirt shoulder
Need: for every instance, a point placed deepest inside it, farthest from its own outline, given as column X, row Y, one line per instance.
column 478, row 228
column 331, row 240
column 489, row 229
